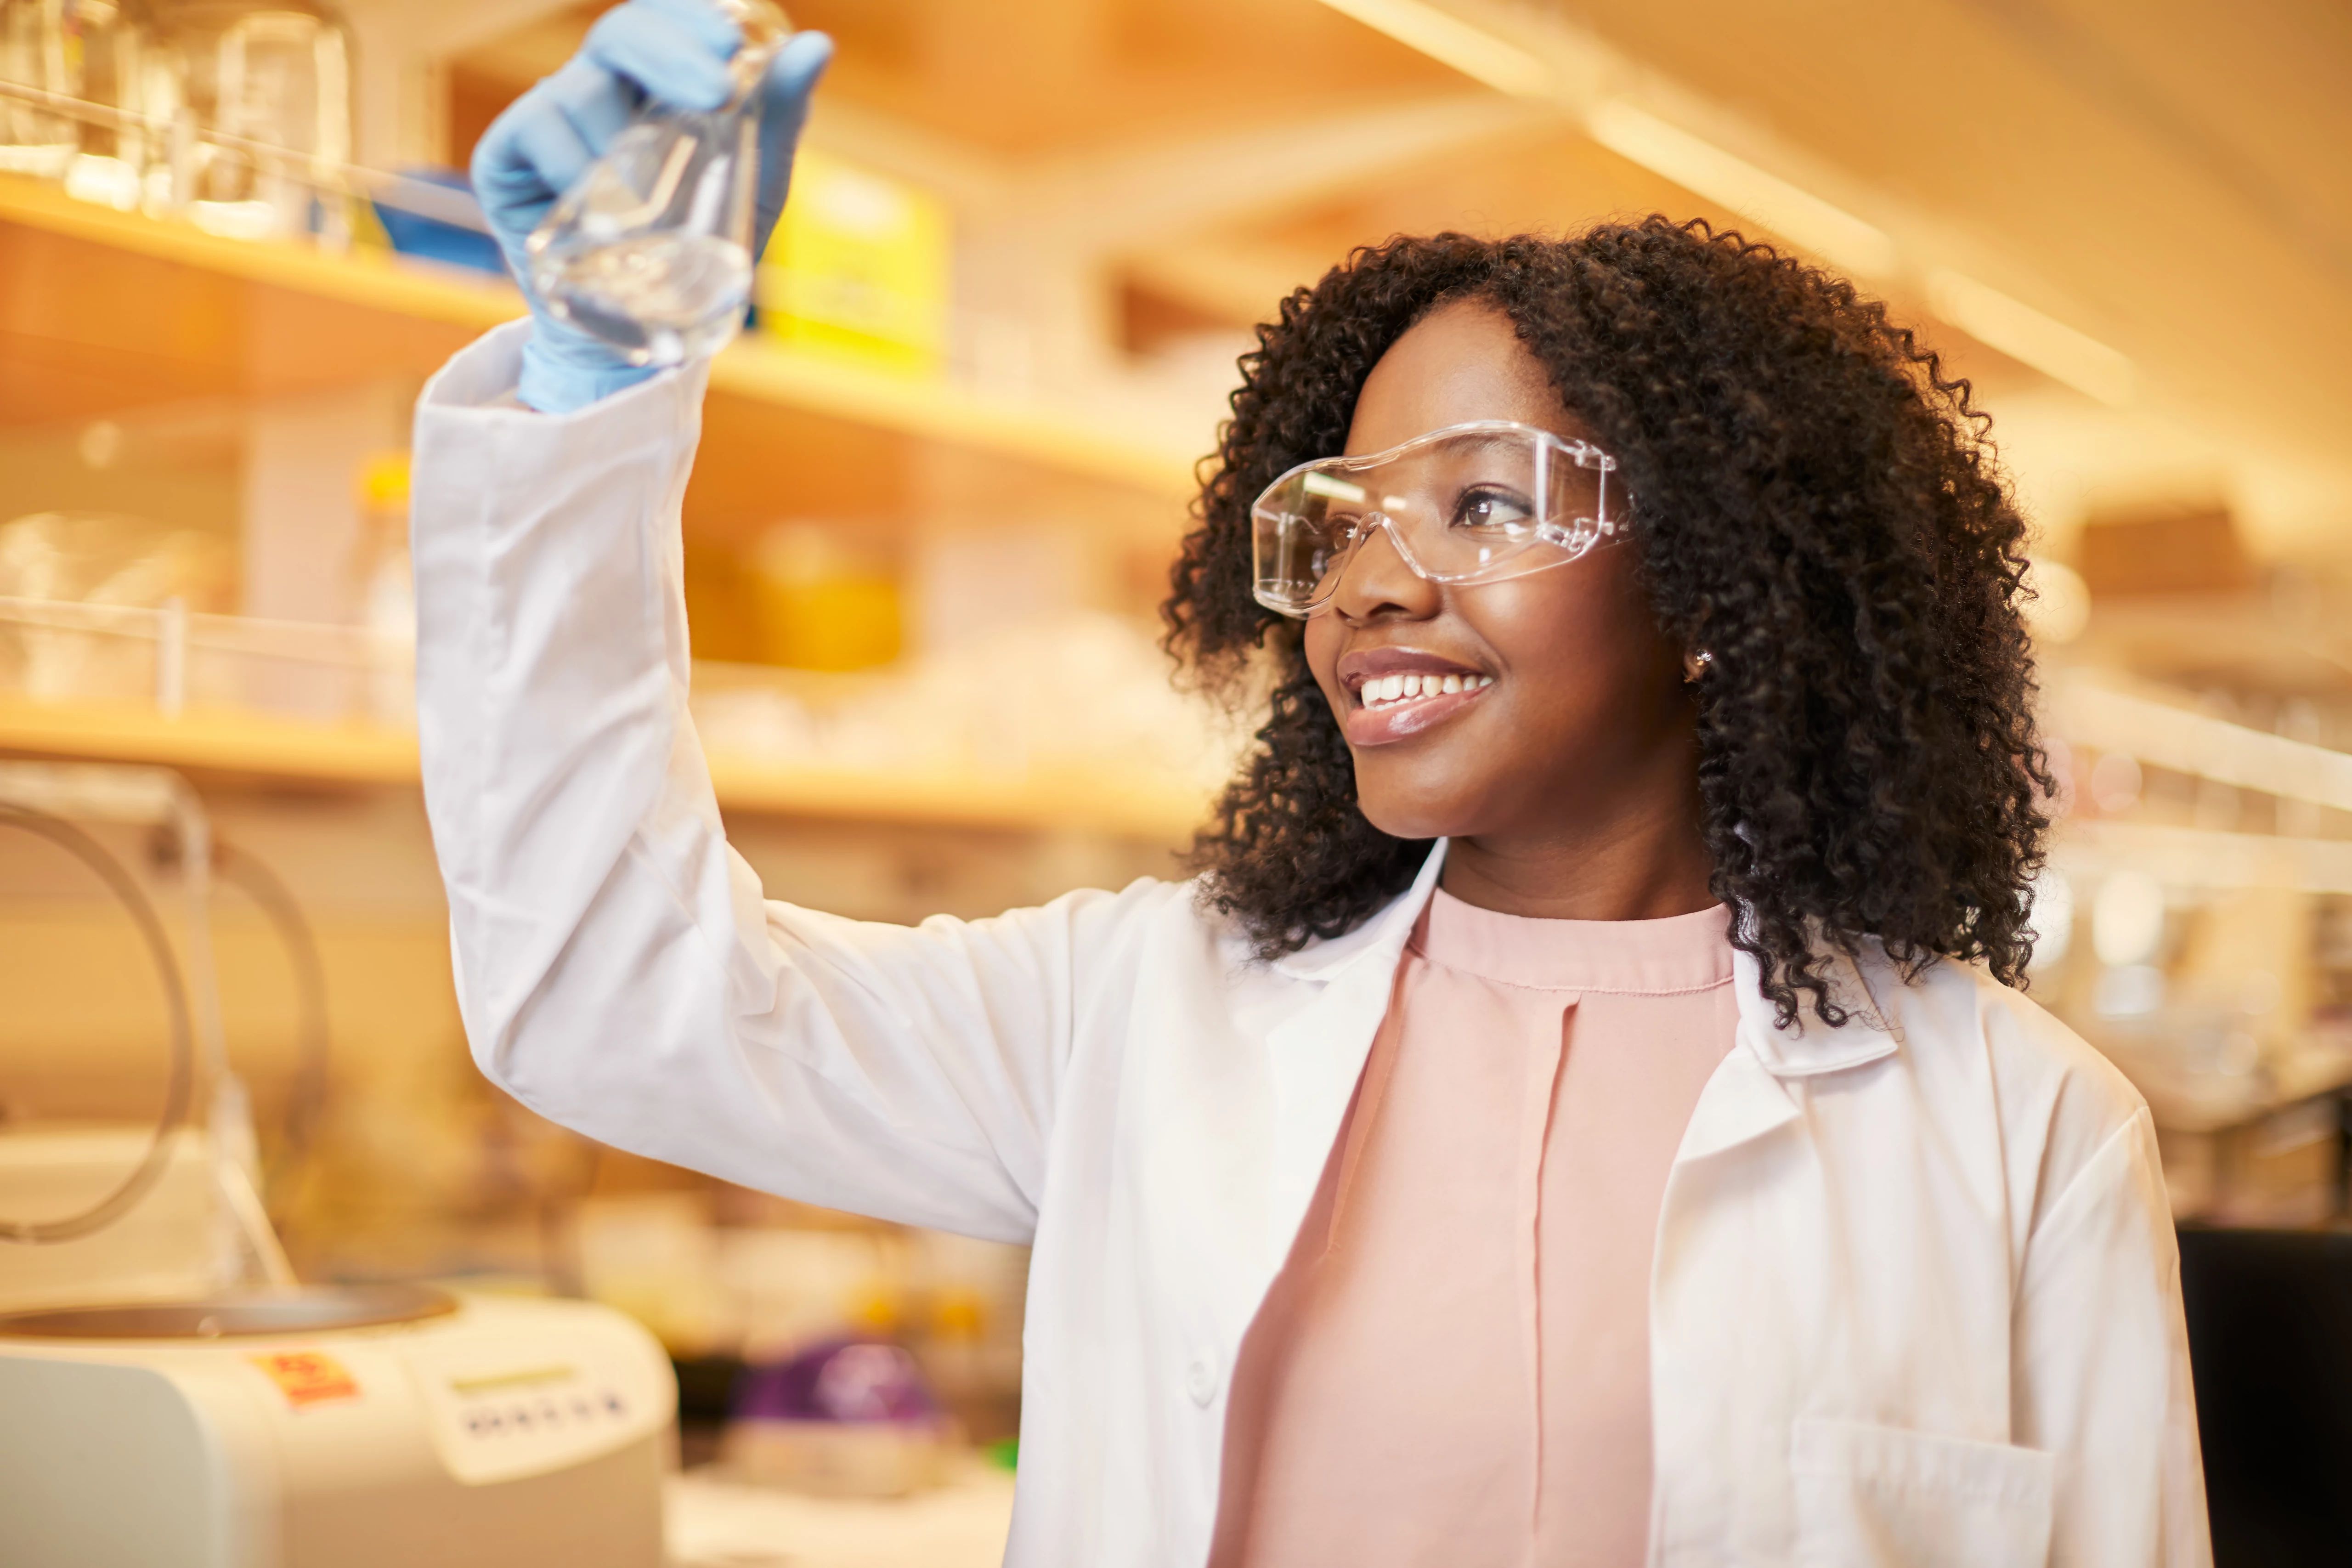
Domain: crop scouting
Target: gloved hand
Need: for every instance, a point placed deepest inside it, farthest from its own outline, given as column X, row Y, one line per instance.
column 674, row 51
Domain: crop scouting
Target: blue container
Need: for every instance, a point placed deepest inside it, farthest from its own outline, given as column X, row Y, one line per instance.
column 413, row 234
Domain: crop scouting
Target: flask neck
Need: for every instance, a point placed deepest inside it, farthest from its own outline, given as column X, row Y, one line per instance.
column 746, row 70
column 764, row 28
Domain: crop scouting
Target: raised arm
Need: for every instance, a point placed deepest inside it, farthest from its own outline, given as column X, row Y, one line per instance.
column 615, row 964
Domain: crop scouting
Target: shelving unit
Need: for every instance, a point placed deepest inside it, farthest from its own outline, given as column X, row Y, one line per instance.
column 93, row 272
column 95, row 307
column 224, row 740
column 290, row 751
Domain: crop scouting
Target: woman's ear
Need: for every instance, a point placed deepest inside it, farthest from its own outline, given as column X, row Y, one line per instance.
column 1696, row 664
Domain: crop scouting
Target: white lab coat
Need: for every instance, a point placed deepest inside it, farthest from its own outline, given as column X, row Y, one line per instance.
column 1916, row 1297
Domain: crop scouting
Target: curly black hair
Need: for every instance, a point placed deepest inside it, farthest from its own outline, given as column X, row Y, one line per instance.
column 1815, row 503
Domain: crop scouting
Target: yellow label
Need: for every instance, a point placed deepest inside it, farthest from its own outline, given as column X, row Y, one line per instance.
column 307, row 1377
column 859, row 265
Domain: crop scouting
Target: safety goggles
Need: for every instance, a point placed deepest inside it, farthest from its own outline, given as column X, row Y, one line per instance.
column 1469, row 503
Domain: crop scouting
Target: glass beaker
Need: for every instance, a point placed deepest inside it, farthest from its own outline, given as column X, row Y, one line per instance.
column 275, row 74
column 32, row 139
column 87, row 50
column 651, row 251
column 111, row 157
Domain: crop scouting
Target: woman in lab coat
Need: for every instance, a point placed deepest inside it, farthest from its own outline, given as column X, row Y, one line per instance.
column 1581, row 1112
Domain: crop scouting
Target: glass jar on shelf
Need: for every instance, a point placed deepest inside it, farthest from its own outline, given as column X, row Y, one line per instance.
column 111, row 154
column 89, row 52
column 35, row 139
column 267, row 83
column 77, row 593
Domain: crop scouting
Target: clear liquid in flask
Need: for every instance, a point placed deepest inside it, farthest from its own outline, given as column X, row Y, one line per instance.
column 651, row 250
column 661, row 299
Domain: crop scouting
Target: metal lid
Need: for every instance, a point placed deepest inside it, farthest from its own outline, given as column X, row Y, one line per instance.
column 304, row 1309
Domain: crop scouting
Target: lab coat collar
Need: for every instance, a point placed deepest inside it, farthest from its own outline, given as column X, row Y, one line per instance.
column 1384, row 933
column 1749, row 1095
column 1807, row 1047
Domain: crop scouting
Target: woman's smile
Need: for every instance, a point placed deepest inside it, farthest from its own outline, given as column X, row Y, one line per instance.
column 1396, row 693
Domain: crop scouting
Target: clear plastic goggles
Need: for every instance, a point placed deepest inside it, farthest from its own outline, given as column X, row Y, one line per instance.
column 1469, row 503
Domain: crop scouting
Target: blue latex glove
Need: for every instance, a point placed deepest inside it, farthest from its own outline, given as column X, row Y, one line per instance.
column 674, row 51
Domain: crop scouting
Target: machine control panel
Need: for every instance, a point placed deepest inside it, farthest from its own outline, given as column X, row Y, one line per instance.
column 502, row 1409
column 536, row 1401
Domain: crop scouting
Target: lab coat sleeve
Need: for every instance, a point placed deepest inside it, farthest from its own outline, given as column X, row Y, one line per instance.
column 618, row 968
column 2102, row 1366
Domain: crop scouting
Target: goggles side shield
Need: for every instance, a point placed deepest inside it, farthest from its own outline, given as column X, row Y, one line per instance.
column 1470, row 503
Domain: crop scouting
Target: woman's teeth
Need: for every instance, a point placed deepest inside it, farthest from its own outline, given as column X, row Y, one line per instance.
column 1394, row 688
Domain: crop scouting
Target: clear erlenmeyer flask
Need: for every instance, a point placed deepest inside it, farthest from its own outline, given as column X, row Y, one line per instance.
column 651, row 251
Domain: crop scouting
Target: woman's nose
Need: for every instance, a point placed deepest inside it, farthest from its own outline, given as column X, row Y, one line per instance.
column 1380, row 585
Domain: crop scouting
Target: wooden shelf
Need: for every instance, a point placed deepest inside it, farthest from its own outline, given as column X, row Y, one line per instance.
column 104, row 311
column 257, row 745
column 942, row 411
column 214, row 739
column 114, row 315
column 375, row 279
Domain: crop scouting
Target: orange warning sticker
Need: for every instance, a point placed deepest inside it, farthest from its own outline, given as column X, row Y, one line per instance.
column 307, row 1377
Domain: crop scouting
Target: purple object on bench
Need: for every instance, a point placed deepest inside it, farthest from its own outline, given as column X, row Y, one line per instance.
column 837, row 1380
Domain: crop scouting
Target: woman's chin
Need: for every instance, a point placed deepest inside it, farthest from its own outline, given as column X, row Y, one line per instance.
column 1405, row 813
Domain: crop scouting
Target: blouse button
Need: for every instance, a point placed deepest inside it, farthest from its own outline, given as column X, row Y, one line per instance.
column 1201, row 1381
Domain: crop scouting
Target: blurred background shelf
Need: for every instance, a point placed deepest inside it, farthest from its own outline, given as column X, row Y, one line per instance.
column 105, row 301
column 1135, row 806
column 265, row 748
column 366, row 276
column 248, row 744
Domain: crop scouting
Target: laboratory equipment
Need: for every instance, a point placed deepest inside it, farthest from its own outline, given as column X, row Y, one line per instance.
column 88, row 52
column 157, row 1242
column 271, row 79
column 51, row 47
column 45, row 799
column 651, row 250
column 98, row 559
column 351, row 1428
column 173, row 1397
column 110, row 154
column 440, row 237
column 850, row 1416
column 34, row 140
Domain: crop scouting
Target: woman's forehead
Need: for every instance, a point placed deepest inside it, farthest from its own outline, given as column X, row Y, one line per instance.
column 1462, row 362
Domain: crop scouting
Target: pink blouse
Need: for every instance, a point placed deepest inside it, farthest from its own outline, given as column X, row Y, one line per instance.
column 1453, row 1367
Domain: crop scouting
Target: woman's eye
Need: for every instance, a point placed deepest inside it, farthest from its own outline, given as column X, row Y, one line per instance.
column 1492, row 510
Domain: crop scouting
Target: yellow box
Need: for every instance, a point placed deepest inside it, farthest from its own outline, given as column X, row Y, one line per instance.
column 818, row 601
column 859, row 265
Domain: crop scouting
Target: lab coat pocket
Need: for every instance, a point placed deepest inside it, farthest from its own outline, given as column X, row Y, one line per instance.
column 1880, row 1497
